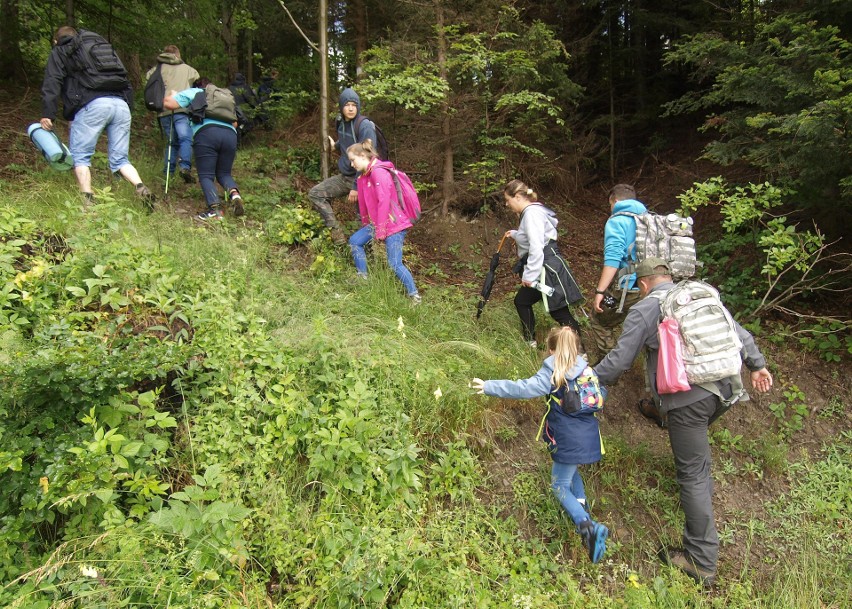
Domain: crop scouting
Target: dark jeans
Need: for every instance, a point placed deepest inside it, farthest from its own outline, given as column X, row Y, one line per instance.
column 215, row 149
column 524, row 301
column 691, row 448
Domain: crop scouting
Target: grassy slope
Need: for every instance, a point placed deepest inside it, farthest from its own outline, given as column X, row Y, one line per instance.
column 312, row 397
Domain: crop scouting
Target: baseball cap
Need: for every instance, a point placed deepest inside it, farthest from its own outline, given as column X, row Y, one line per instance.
column 647, row 266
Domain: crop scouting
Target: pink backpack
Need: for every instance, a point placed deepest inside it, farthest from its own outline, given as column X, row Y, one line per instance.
column 671, row 372
column 406, row 195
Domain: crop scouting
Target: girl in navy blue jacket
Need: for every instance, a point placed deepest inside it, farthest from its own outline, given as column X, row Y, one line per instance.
column 569, row 426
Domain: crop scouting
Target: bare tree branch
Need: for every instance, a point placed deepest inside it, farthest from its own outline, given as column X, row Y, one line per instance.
column 296, row 25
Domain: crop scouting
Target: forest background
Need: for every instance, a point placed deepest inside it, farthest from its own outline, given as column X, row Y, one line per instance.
column 172, row 438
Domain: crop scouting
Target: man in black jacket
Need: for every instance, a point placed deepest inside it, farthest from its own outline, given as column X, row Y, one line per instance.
column 689, row 413
column 93, row 104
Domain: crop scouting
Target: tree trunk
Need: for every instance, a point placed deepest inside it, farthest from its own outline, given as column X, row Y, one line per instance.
column 358, row 9
column 323, row 53
column 69, row 13
column 249, row 57
column 11, row 61
column 448, row 187
column 229, row 38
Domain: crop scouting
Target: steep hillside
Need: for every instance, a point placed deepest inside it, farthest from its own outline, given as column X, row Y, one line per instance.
column 222, row 416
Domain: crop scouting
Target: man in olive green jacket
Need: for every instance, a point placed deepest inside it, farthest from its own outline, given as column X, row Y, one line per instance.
column 177, row 76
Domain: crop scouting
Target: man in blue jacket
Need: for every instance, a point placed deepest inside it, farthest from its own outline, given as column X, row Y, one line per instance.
column 689, row 415
column 343, row 183
column 619, row 236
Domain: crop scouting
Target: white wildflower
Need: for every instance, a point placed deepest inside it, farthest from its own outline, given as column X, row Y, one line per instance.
column 89, row 571
column 438, row 393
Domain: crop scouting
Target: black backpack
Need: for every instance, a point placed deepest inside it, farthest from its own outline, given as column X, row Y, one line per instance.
column 155, row 90
column 381, row 143
column 98, row 66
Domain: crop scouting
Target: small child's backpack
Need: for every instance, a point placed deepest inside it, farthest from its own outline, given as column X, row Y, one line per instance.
column 582, row 394
column 155, row 90
column 406, row 194
column 710, row 344
column 97, row 65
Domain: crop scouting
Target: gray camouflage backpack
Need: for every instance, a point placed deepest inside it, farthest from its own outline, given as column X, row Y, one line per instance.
column 711, row 346
column 668, row 237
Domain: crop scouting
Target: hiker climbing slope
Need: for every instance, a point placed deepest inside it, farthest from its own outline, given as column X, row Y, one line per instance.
column 89, row 78
column 350, row 131
column 689, row 413
column 540, row 265
column 569, row 426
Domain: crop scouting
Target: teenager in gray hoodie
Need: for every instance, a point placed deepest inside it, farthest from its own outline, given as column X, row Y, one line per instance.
column 350, row 131
column 540, row 261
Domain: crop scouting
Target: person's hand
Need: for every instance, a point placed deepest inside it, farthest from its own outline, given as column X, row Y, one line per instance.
column 597, row 304
column 526, row 284
column 353, row 196
column 330, row 141
column 510, row 234
column 761, row 380
column 46, row 124
column 478, row 385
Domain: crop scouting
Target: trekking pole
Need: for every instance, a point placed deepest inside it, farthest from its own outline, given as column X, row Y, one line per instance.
column 169, row 151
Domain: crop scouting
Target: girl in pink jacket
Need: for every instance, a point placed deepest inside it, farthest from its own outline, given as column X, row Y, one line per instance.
column 381, row 214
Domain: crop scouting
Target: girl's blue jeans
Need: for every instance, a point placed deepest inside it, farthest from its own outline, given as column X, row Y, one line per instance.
column 393, row 247
column 568, row 487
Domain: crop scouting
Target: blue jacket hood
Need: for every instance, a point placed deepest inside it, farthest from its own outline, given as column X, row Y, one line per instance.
column 349, row 95
column 575, row 371
column 631, row 205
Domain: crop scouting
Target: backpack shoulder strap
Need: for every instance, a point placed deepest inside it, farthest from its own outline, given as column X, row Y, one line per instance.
column 629, row 214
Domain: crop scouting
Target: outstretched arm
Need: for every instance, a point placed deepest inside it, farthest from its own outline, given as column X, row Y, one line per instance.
column 533, row 387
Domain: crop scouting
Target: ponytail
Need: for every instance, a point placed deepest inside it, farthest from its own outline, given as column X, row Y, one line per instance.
column 564, row 342
column 517, row 187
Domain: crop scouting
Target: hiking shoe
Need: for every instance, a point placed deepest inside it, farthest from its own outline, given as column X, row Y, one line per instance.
column 239, row 208
column 337, row 236
column 186, row 175
column 680, row 559
column 533, row 344
column 416, row 299
column 146, row 195
column 594, row 537
column 211, row 214
column 648, row 409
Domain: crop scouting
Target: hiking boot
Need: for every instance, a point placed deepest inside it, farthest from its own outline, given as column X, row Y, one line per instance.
column 648, row 409
column 186, row 175
column 416, row 299
column 679, row 558
column 594, row 537
column 239, row 208
column 211, row 214
column 88, row 199
column 146, row 195
column 533, row 344
column 337, row 236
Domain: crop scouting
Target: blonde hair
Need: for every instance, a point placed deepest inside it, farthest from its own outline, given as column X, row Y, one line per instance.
column 564, row 342
column 516, row 187
column 364, row 148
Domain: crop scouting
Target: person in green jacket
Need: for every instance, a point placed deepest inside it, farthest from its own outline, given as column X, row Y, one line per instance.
column 175, row 124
